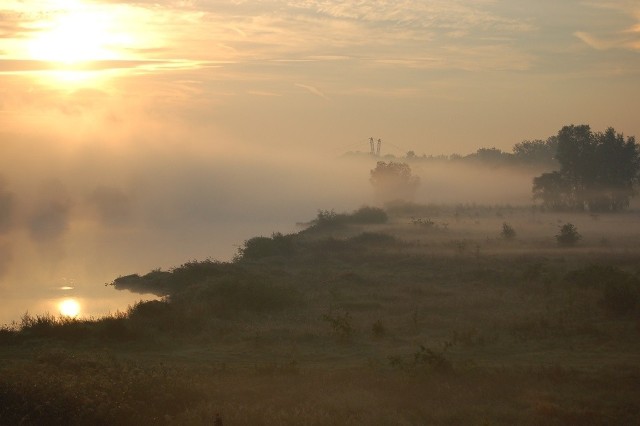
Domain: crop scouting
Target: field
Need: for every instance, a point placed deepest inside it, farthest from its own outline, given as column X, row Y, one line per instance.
column 416, row 315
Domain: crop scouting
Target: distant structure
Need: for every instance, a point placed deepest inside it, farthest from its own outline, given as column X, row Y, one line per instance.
column 375, row 149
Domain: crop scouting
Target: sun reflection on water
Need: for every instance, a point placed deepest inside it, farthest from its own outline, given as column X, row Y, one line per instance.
column 69, row 307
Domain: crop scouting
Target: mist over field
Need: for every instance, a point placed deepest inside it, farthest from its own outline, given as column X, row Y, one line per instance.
column 157, row 202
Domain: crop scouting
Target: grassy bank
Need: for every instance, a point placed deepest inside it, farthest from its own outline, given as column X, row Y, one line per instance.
column 416, row 315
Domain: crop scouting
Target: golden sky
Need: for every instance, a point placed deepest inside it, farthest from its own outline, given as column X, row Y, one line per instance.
column 438, row 76
column 143, row 134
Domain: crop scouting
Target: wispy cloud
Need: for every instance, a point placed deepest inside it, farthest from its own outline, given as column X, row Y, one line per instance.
column 624, row 35
column 313, row 90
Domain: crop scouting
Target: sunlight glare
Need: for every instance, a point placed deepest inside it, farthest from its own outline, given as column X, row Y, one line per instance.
column 78, row 33
column 69, row 308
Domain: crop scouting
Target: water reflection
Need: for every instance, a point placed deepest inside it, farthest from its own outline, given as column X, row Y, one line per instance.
column 67, row 302
column 69, row 308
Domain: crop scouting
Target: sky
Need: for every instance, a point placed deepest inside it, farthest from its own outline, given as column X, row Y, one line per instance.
column 439, row 76
column 140, row 134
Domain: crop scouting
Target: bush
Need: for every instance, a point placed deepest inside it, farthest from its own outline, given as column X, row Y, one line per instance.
column 508, row 233
column 261, row 247
column 231, row 295
column 620, row 290
column 369, row 215
column 568, row 235
column 374, row 238
column 619, row 299
column 329, row 219
column 341, row 325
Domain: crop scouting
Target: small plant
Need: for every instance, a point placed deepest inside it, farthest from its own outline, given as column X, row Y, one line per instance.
column 508, row 233
column 568, row 235
column 378, row 329
column 424, row 359
column 341, row 325
column 425, row 223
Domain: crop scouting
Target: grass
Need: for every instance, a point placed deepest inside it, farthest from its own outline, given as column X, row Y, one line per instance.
column 384, row 323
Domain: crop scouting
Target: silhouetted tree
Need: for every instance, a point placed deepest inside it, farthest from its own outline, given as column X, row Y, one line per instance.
column 394, row 181
column 537, row 151
column 552, row 190
column 598, row 171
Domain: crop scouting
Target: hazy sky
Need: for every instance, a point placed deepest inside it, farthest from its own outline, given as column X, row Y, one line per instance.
column 140, row 134
column 439, row 76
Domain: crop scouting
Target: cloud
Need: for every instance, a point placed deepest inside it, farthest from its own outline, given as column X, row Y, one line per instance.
column 623, row 33
column 626, row 40
column 14, row 66
column 313, row 90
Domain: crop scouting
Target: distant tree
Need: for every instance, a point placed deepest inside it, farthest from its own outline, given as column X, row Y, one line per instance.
column 491, row 156
column 616, row 171
column 568, row 235
column 598, row 171
column 393, row 181
column 552, row 190
column 537, row 151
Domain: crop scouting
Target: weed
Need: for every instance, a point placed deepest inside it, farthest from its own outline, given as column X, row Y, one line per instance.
column 378, row 329
column 424, row 359
column 341, row 325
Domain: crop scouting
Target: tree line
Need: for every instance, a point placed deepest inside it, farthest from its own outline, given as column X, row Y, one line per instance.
column 598, row 171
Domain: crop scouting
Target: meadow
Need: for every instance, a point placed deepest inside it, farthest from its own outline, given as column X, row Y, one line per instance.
column 412, row 315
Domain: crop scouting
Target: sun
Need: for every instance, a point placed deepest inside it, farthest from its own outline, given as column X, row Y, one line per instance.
column 69, row 308
column 75, row 34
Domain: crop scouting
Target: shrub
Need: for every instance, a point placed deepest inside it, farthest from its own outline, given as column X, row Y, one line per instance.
column 508, row 233
column 620, row 290
column 329, row 219
column 568, row 235
column 378, row 329
column 374, row 238
column 369, row 215
column 261, row 247
column 619, row 299
column 231, row 295
column 341, row 325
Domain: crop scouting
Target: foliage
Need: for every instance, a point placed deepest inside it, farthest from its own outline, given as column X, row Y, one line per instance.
column 341, row 325
column 393, row 181
column 374, row 238
column 508, row 233
column 598, row 171
column 424, row 359
column 261, row 247
column 230, row 337
column 365, row 215
column 568, row 235
column 63, row 388
column 537, row 151
column 619, row 290
column 378, row 329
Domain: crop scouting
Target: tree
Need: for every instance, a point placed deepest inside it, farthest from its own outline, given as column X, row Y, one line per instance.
column 568, row 235
column 393, row 181
column 537, row 151
column 553, row 190
column 598, row 171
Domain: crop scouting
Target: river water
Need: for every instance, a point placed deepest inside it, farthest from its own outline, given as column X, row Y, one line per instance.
column 72, row 278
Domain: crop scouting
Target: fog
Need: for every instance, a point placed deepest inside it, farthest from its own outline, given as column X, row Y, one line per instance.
column 80, row 213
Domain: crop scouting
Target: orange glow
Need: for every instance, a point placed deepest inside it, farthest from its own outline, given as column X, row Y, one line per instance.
column 69, row 308
column 78, row 34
